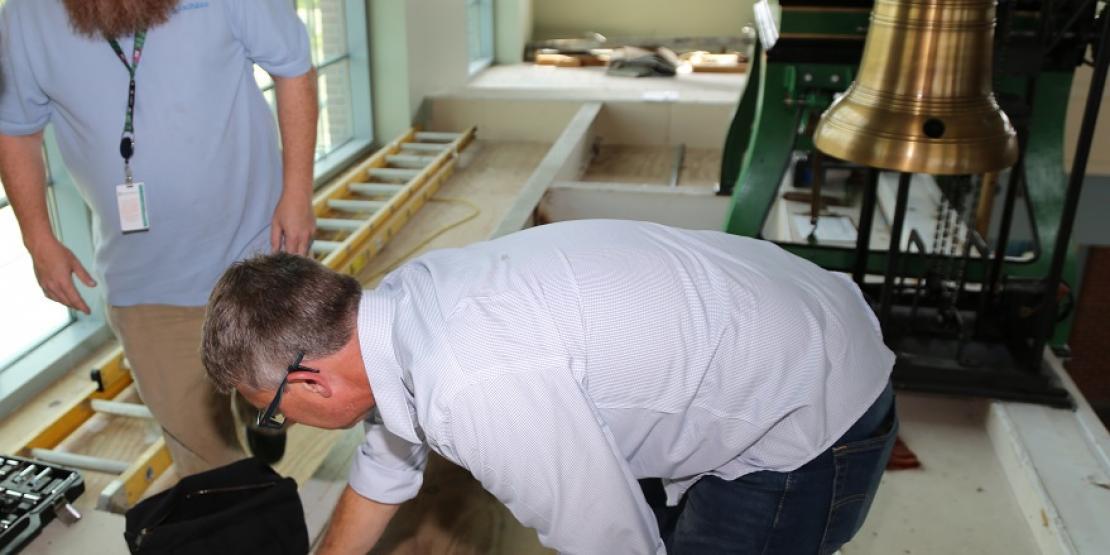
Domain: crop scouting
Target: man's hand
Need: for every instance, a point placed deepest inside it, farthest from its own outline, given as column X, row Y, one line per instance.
column 54, row 268
column 356, row 524
column 24, row 176
column 294, row 222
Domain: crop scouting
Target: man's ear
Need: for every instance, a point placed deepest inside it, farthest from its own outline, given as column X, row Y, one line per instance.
column 315, row 383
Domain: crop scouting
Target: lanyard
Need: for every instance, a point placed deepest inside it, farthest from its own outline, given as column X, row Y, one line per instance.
column 127, row 141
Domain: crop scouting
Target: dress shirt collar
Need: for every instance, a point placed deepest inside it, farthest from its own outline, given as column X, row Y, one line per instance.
column 376, row 320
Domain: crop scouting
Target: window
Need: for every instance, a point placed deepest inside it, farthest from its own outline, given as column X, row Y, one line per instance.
column 38, row 317
column 39, row 339
column 479, row 22
column 342, row 72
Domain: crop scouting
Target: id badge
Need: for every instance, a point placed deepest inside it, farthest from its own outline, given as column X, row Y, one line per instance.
column 131, row 199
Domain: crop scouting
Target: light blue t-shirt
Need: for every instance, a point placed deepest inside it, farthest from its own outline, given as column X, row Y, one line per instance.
column 205, row 140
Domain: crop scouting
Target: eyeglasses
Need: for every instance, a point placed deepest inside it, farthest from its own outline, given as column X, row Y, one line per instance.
column 271, row 418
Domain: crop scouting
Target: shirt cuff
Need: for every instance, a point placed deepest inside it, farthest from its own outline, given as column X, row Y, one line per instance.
column 19, row 129
column 296, row 68
column 386, row 468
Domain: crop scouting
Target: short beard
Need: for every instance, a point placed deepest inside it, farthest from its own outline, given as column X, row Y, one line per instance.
column 117, row 18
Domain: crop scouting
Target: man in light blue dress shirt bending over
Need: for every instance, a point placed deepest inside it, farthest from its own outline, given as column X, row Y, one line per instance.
column 622, row 387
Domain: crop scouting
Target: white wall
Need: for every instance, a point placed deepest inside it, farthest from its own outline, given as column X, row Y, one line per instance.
column 437, row 43
column 641, row 18
column 512, row 23
column 418, row 48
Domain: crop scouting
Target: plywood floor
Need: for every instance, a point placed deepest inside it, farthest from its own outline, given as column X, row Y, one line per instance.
column 653, row 165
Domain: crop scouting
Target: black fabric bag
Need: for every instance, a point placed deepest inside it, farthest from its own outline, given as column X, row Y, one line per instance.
column 244, row 507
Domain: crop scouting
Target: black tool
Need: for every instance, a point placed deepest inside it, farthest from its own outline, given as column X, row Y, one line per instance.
column 32, row 494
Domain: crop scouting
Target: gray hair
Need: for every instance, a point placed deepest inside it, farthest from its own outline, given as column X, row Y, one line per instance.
column 266, row 309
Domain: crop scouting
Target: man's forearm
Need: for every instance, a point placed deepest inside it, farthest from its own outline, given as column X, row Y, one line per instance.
column 356, row 525
column 297, row 111
column 24, row 177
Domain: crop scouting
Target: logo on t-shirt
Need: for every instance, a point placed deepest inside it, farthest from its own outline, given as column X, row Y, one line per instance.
column 190, row 6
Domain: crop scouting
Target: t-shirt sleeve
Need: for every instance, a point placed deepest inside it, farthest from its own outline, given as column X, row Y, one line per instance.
column 387, row 468
column 24, row 106
column 272, row 35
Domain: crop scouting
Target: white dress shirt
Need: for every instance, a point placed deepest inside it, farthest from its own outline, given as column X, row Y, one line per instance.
column 562, row 363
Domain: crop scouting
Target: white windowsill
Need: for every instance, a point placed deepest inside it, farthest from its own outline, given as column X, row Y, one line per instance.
column 477, row 66
column 336, row 162
column 42, row 366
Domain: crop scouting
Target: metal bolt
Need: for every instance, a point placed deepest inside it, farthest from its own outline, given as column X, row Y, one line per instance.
column 807, row 77
column 834, row 78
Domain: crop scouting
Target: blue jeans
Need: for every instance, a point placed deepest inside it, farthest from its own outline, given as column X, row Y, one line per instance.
column 814, row 509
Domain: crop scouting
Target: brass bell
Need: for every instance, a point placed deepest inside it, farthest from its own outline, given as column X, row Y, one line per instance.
column 922, row 101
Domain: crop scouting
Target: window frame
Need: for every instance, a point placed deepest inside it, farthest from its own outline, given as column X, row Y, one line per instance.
column 57, row 355
column 357, row 57
column 485, row 37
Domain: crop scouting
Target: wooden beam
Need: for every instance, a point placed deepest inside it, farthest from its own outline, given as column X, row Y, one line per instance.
column 128, row 489
column 113, row 378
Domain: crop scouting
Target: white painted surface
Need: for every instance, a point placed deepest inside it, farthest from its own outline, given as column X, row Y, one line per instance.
column 687, row 207
column 653, row 18
column 1062, row 456
column 566, row 159
column 591, row 83
column 958, row 502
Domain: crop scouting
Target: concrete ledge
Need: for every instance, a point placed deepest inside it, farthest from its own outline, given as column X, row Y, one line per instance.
column 685, row 206
column 565, row 160
column 1057, row 464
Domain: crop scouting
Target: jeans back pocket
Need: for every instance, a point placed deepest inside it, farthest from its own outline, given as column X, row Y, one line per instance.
column 859, row 468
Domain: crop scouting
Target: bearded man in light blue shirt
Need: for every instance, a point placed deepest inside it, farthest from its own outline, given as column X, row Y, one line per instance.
column 623, row 387
column 171, row 144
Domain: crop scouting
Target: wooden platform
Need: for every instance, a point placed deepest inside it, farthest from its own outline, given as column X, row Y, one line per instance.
column 652, row 165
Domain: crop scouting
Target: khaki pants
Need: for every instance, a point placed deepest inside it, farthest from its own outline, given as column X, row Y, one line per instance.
column 162, row 344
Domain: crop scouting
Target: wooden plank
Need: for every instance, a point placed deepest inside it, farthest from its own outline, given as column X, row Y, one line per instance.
column 125, row 491
column 337, row 224
column 53, row 431
column 409, row 161
column 134, row 410
column 395, row 173
column 437, row 136
column 382, row 189
column 349, row 205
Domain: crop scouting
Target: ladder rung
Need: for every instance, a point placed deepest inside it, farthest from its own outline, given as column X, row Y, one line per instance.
column 393, row 173
column 84, row 462
column 424, row 147
column 320, row 246
column 133, row 410
column 356, row 205
column 437, row 136
column 338, row 224
column 409, row 161
column 376, row 188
